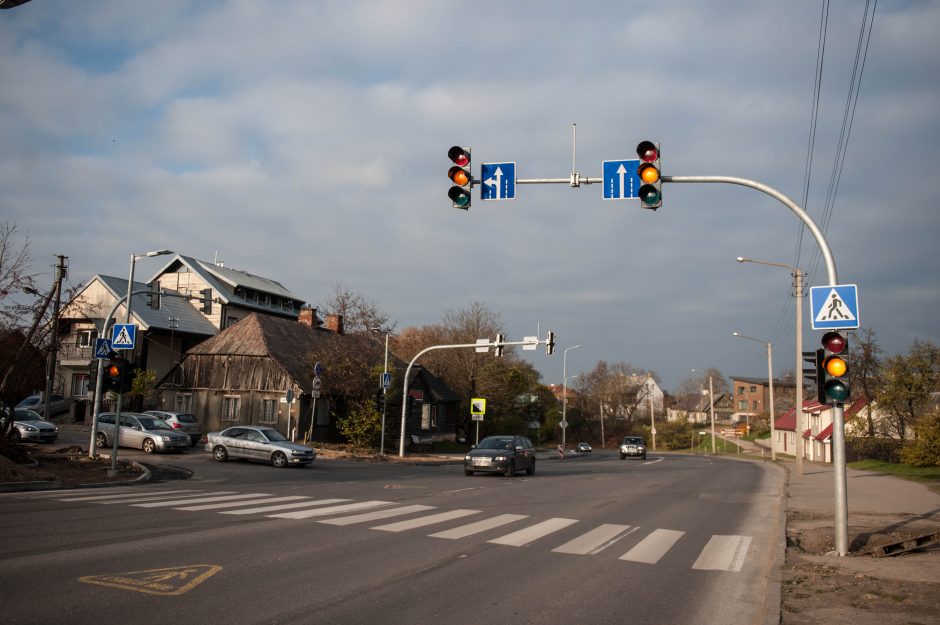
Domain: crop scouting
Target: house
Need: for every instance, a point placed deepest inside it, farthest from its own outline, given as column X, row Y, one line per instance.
column 198, row 299
column 699, row 409
column 815, row 429
column 752, row 396
column 261, row 370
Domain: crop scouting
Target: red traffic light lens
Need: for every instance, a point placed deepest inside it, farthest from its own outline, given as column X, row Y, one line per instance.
column 834, row 342
column 647, row 151
column 458, row 155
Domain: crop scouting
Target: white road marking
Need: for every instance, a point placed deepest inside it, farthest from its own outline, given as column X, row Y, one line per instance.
column 375, row 516
column 653, row 547
column 525, row 536
column 723, row 553
column 479, row 526
column 401, row 526
column 596, row 540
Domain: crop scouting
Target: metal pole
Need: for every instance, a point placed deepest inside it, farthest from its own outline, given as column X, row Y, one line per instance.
column 711, row 407
column 770, row 384
column 384, row 399
column 798, row 372
column 649, row 396
column 54, row 339
column 117, row 415
column 564, row 393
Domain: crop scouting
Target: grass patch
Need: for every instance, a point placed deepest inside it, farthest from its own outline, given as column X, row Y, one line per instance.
column 919, row 474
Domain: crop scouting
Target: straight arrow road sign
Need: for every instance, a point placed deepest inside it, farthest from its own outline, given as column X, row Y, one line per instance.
column 621, row 181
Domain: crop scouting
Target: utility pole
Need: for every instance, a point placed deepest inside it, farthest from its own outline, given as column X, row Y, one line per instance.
column 54, row 338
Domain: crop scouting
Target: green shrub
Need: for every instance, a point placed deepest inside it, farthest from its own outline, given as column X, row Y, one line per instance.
column 362, row 426
column 924, row 450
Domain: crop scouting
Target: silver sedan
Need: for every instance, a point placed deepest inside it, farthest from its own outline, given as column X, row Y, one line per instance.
column 254, row 442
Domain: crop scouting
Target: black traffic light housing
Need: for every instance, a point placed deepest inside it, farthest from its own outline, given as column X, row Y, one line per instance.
column 460, row 177
column 550, row 343
column 128, row 376
column 651, row 184
column 815, row 372
column 153, row 298
column 499, row 345
column 206, row 301
column 113, row 377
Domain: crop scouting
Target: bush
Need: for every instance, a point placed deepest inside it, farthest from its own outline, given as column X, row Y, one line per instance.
column 864, row 448
column 362, row 426
column 924, row 450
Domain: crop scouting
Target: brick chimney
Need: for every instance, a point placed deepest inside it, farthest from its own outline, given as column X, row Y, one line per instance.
column 334, row 323
column 308, row 317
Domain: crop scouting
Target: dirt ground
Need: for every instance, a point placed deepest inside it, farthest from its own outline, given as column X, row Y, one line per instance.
column 819, row 587
column 67, row 465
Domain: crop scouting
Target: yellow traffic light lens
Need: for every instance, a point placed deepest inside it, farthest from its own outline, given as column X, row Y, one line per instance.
column 835, row 367
column 461, row 178
column 649, row 174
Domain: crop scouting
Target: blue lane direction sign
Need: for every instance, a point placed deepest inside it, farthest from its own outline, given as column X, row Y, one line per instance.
column 499, row 181
column 124, row 336
column 834, row 307
column 621, row 181
column 102, row 348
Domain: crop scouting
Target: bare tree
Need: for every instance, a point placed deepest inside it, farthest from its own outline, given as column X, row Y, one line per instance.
column 359, row 314
column 14, row 275
column 866, row 370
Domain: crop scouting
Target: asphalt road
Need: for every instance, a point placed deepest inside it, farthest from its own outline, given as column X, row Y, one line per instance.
column 674, row 539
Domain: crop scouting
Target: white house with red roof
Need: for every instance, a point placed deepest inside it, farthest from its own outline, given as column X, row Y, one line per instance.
column 815, row 426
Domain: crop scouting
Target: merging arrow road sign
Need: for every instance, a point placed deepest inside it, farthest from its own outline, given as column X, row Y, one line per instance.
column 621, row 181
column 499, row 181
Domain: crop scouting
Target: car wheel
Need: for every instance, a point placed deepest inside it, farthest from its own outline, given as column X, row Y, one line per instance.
column 531, row 468
column 623, row 456
column 644, row 456
column 101, row 440
column 279, row 460
column 219, row 453
column 149, row 446
column 511, row 468
column 467, row 472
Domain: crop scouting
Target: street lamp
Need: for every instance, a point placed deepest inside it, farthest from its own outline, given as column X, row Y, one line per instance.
column 127, row 319
column 711, row 404
column 770, row 383
column 564, row 393
column 384, row 392
column 798, row 293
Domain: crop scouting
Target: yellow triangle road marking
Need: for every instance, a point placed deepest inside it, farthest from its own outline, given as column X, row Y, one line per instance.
column 170, row 581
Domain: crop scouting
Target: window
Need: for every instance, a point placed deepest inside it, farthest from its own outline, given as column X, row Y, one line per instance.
column 184, row 402
column 752, row 389
column 80, row 385
column 742, row 404
column 754, row 405
column 269, row 411
column 740, row 390
column 230, row 407
column 86, row 338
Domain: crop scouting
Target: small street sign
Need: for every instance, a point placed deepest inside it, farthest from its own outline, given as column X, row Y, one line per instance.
column 124, row 336
column 484, row 346
column 318, row 369
column 499, row 181
column 478, row 407
column 386, row 380
column 317, row 383
column 530, row 343
column 290, row 396
column 834, row 307
column 621, row 181
column 102, row 348
column 563, row 424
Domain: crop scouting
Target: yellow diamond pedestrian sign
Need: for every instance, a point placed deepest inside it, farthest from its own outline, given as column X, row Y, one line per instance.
column 169, row 581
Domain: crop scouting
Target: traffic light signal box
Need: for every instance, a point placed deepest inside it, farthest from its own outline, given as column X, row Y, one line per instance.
column 651, row 187
column 460, row 177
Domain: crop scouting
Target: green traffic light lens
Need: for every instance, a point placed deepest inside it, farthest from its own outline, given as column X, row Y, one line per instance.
column 837, row 390
column 459, row 196
column 649, row 195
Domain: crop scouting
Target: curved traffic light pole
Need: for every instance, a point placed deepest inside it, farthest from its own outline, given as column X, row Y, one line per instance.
column 838, row 413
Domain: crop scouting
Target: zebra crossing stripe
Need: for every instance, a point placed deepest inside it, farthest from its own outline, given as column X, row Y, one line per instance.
column 235, row 504
column 176, row 502
column 653, row 547
column 120, row 498
column 174, row 496
column 596, row 540
column 401, row 526
column 306, row 514
column 525, row 536
column 285, row 506
column 479, row 526
column 723, row 553
column 375, row 516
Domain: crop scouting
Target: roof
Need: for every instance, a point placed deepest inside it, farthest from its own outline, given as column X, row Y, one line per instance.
column 762, row 381
column 224, row 281
column 188, row 320
column 787, row 421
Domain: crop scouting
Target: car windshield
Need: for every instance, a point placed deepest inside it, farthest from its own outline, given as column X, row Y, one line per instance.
column 274, row 435
column 186, row 418
column 633, row 441
column 496, row 443
column 153, row 423
column 27, row 415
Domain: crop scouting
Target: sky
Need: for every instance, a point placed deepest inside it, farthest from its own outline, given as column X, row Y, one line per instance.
column 307, row 142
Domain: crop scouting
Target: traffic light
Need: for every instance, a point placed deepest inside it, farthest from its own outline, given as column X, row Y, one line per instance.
column 815, row 374
column 128, row 376
column 460, row 176
column 113, row 373
column 651, row 184
column 499, row 345
column 206, row 301
column 835, row 368
column 153, row 298
column 550, row 343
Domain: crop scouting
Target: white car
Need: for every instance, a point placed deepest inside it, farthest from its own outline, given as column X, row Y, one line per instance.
column 140, row 431
column 34, row 402
column 254, row 442
column 28, row 425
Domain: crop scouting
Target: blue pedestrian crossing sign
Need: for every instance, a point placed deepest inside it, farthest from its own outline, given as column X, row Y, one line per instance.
column 499, row 181
column 102, row 348
column 834, row 307
column 621, row 181
column 124, row 336
column 386, row 380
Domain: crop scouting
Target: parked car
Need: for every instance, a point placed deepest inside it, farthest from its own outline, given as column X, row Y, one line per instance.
column 254, row 442
column 182, row 421
column 583, row 448
column 632, row 446
column 140, row 431
column 34, row 402
column 501, row 454
column 28, row 425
